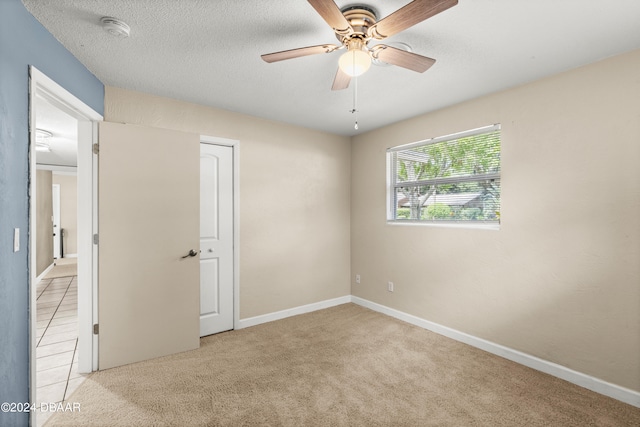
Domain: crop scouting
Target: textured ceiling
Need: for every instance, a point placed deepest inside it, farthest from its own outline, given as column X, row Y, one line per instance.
column 208, row 52
column 63, row 142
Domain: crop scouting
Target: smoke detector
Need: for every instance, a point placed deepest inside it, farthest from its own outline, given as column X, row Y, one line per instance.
column 115, row 27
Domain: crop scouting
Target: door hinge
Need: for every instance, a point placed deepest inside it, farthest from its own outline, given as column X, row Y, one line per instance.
column 95, row 239
column 96, row 149
column 96, row 329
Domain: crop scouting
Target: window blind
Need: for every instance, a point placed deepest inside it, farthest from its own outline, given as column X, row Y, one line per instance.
column 451, row 178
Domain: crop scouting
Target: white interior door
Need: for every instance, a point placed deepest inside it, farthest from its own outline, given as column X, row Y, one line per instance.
column 216, row 239
column 55, row 193
column 148, row 288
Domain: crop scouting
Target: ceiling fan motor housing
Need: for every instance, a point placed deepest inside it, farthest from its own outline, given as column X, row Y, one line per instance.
column 360, row 18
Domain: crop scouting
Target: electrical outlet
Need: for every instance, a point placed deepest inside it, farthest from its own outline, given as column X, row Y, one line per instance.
column 390, row 286
column 357, row 278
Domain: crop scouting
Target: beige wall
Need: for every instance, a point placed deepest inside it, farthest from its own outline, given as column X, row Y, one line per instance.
column 561, row 279
column 44, row 224
column 68, row 211
column 294, row 199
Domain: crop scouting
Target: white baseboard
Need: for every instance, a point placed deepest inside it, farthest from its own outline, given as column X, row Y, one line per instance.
column 44, row 273
column 70, row 256
column 270, row 317
column 622, row 394
column 614, row 391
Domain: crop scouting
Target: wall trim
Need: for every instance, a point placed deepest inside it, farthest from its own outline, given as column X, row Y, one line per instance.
column 597, row 385
column 614, row 391
column 58, row 169
column 278, row 315
column 44, row 273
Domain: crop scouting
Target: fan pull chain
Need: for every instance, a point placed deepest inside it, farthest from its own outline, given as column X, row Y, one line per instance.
column 355, row 100
column 355, row 96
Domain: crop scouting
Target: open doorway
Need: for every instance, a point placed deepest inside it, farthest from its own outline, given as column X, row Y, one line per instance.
column 57, row 374
column 62, row 280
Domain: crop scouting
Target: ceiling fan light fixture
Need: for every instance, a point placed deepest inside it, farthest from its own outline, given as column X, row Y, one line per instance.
column 356, row 25
column 43, row 140
column 356, row 60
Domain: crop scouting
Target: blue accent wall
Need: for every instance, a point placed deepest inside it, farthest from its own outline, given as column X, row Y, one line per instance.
column 23, row 42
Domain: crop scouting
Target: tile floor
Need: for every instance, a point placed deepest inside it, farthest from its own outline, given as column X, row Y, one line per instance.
column 57, row 341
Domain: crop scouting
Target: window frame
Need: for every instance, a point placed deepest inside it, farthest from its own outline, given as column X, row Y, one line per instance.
column 392, row 185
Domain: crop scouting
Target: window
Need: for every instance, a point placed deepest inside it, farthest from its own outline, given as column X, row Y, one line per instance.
column 454, row 179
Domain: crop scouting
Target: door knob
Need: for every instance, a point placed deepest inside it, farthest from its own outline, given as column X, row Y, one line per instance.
column 191, row 253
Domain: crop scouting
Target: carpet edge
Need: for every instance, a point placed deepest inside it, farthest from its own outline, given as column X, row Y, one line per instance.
column 283, row 314
column 597, row 385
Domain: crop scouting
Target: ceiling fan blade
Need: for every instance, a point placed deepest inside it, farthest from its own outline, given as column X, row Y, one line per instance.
column 332, row 15
column 408, row 16
column 296, row 53
column 402, row 58
column 341, row 81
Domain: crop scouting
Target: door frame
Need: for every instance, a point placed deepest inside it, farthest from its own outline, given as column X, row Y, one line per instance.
column 43, row 87
column 55, row 196
column 235, row 145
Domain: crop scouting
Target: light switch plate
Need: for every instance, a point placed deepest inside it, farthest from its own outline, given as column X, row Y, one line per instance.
column 16, row 239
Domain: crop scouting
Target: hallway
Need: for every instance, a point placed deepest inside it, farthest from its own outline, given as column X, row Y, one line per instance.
column 57, row 340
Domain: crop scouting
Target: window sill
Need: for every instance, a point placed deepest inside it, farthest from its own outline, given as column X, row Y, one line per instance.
column 473, row 226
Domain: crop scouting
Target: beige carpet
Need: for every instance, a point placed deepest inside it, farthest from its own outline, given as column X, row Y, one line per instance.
column 64, row 267
column 344, row 366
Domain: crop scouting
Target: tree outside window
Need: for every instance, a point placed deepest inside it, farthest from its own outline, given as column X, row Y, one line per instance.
column 454, row 178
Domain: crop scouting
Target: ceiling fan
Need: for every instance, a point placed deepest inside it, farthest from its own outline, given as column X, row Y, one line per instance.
column 356, row 26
